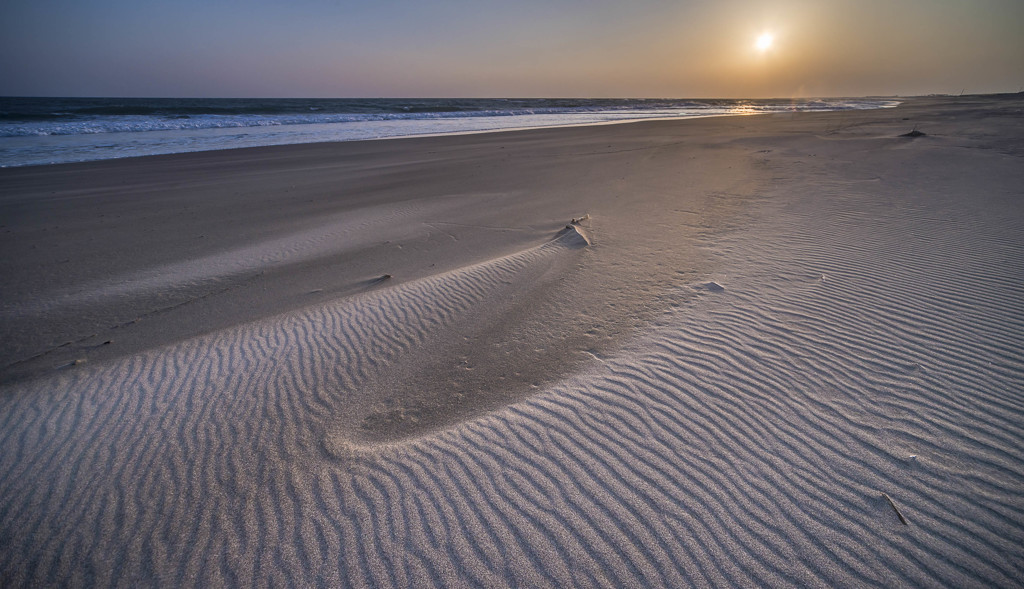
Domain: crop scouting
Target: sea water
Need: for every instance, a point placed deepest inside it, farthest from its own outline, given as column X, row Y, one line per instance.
column 36, row 131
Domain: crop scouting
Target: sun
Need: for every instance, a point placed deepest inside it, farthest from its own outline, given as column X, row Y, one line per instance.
column 764, row 42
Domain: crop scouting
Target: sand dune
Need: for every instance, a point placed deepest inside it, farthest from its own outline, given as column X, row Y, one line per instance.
column 801, row 368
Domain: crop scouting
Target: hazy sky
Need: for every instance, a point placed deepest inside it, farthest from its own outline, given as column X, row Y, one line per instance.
column 521, row 48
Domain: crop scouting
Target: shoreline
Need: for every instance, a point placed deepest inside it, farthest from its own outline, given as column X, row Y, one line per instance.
column 315, row 132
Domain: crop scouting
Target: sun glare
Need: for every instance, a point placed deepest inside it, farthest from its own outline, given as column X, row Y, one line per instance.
column 764, row 42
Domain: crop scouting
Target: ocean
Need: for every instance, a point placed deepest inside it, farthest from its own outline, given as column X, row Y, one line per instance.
column 37, row 131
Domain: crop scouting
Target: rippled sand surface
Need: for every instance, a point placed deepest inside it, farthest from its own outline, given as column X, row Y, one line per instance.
column 780, row 350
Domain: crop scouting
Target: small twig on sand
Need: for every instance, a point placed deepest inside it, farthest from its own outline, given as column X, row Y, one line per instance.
column 903, row 520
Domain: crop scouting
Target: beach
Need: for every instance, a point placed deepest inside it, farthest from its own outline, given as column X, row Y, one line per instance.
column 773, row 350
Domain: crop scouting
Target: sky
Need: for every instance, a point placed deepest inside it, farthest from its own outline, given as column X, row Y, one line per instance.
column 521, row 48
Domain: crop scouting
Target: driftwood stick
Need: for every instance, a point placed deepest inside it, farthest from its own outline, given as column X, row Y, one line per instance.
column 903, row 520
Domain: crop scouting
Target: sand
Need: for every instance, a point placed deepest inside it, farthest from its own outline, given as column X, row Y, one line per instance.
column 779, row 350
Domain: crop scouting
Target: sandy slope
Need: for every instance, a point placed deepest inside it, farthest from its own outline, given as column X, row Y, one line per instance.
column 776, row 321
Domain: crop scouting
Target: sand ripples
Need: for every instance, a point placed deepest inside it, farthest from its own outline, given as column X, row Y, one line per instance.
column 744, row 440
